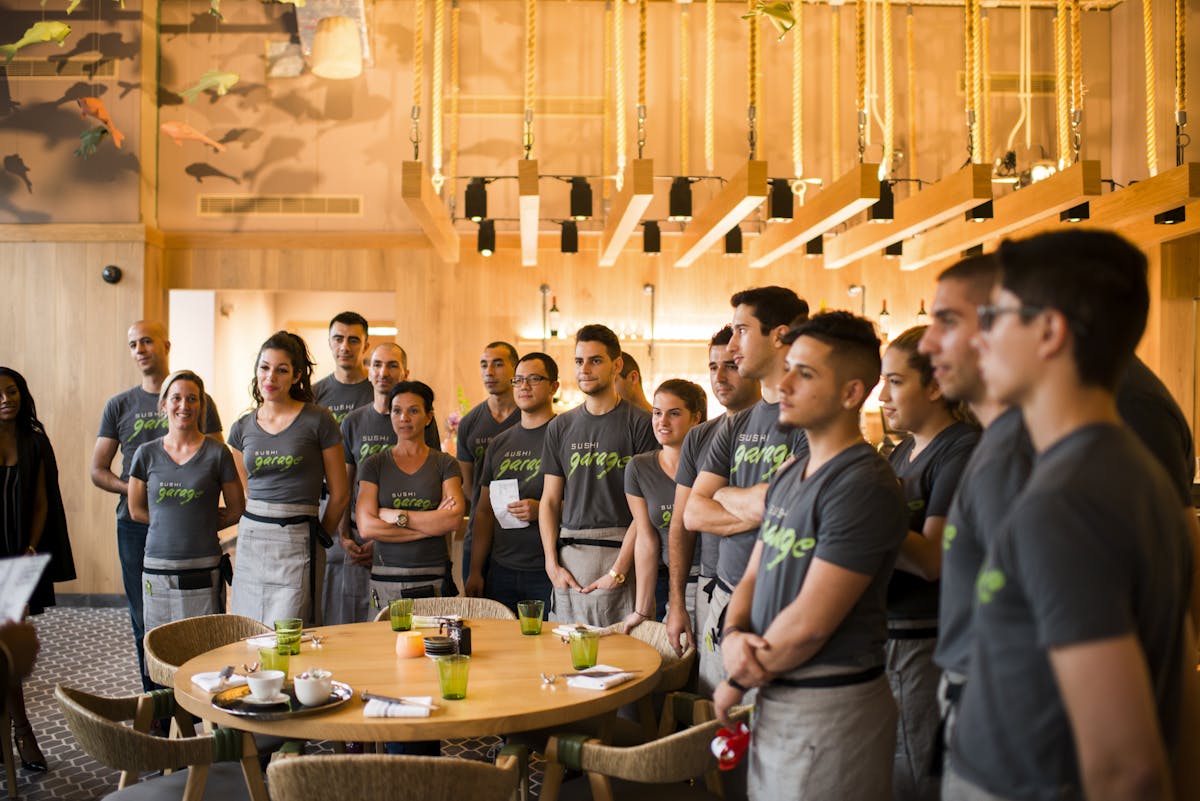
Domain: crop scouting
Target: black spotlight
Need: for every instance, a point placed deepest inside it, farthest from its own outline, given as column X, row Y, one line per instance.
column 581, row 199
column 780, row 201
column 733, row 241
column 486, row 242
column 815, row 246
column 981, row 213
column 974, row 250
column 1172, row 217
column 651, row 237
column 570, row 237
column 884, row 208
column 680, row 200
column 1076, row 213
column 476, row 200
column 895, row 249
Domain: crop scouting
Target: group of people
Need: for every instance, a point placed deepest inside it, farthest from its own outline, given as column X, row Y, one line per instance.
column 999, row 608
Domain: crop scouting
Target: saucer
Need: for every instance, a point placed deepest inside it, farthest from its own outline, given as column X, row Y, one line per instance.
column 279, row 698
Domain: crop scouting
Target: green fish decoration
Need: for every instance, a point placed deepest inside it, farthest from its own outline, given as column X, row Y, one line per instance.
column 89, row 139
column 780, row 15
column 214, row 80
column 214, row 8
column 38, row 33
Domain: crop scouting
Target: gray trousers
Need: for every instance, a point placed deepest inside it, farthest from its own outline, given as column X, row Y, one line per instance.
column 823, row 744
column 347, row 592
column 956, row 788
column 588, row 563
column 914, row 678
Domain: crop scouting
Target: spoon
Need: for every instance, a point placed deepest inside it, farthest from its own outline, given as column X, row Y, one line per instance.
column 549, row 678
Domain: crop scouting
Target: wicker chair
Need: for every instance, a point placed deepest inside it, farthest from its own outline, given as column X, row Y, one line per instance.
column 214, row 771
column 674, row 675
column 170, row 645
column 371, row 777
column 466, row 608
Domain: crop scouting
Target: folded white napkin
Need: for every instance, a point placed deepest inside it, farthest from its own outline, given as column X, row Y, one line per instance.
column 431, row 621
column 213, row 683
column 599, row 682
column 382, row 709
column 565, row 629
column 267, row 640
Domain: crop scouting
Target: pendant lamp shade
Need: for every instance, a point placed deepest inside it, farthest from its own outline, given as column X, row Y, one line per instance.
column 337, row 49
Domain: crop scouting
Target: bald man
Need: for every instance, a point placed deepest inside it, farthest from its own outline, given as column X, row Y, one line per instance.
column 131, row 419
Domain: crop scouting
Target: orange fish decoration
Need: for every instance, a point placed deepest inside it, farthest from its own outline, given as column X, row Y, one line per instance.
column 179, row 131
column 94, row 107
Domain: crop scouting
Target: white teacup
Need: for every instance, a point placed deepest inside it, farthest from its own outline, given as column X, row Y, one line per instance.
column 315, row 688
column 265, row 684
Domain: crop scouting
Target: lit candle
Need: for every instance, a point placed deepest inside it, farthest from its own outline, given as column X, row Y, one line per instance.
column 410, row 644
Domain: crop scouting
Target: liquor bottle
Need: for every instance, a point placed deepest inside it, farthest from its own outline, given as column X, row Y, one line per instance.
column 885, row 322
column 554, row 317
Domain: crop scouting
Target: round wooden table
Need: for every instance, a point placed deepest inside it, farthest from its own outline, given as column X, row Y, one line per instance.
column 505, row 692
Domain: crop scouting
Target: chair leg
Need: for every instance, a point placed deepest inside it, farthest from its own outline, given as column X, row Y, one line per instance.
column 10, row 762
column 645, row 709
column 196, row 779
column 552, row 775
column 252, row 769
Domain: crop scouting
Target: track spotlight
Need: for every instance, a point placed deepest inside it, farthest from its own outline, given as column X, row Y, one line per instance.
column 1075, row 213
column 475, row 205
column 974, row 250
column 884, row 208
column 570, row 237
column 680, row 200
column 1172, row 217
column 780, row 201
column 733, row 241
column 651, row 237
column 815, row 246
column 485, row 243
column 581, row 199
column 895, row 249
column 981, row 213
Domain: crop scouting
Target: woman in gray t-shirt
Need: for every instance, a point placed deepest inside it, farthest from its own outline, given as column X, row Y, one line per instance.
column 650, row 490
column 176, row 484
column 284, row 449
column 409, row 499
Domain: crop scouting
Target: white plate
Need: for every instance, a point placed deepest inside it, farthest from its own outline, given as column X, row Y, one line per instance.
column 277, row 699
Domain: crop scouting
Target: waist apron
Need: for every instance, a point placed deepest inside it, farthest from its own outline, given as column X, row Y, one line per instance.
column 346, row 589
column 174, row 589
column 708, row 638
column 280, row 563
column 589, row 554
column 389, row 582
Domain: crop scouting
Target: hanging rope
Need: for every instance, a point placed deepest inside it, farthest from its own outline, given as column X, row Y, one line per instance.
column 1076, row 81
column 1148, row 45
column 889, row 91
column 710, row 58
column 606, row 156
column 977, row 153
column 530, row 73
column 1062, row 83
column 873, row 115
column 752, row 80
column 641, row 88
column 835, row 79
column 912, row 93
column 969, row 75
column 414, row 134
column 435, row 133
column 860, row 73
column 798, row 95
column 684, row 86
column 1022, row 77
column 1181, row 139
column 985, row 89
column 454, row 73
column 619, row 93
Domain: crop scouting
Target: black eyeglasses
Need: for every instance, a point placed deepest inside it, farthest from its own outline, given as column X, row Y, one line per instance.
column 531, row 380
column 988, row 314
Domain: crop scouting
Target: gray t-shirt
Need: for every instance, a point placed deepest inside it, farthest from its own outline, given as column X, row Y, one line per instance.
column 132, row 418
column 418, row 492
column 745, row 451
column 366, row 432
column 1095, row 548
column 1148, row 408
column 475, row 431
column 929, row 482
column 341, row 399
column 695, row 447
column 645, row 479
column 517, row 454
column 995, row 473
column 183, row 498
column 850, row 512
column 590, row 453
column 286, row 467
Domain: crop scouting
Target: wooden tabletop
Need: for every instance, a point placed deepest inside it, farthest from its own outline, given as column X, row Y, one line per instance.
column 505, row 692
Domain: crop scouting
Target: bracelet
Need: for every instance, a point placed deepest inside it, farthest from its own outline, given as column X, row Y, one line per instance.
column 31, row 551
column 729, row 630
column 733, row 683
column 642, row 615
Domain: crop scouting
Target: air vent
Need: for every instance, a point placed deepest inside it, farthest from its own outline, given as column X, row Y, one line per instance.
column 1009, row 83
column 69, row 68
column 276, row 205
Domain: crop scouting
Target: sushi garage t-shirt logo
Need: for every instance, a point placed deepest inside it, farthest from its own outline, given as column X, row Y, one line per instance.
column 522, row 464
column 275, row 461
column 174, row 492
column 749, row 452
column 588, row 454
column 147, row 423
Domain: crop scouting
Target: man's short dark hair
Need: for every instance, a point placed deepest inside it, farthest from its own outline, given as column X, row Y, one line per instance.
column 547, row 362
column 721, row 338
column 513, row 357
column 1097, row 280
column 628, row 365
column 772, row 306
column 978, row 273
column 595, row 332
column 351, row 318
column 853, row 340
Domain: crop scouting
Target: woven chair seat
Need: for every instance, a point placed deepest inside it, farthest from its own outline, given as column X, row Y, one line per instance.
column 377, row 777
column 466, row 608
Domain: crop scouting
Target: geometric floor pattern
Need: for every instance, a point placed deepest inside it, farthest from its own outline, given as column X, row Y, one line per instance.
column 92, row 649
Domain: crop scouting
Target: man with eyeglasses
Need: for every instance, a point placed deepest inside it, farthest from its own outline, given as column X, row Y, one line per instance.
column 1082, row 667
column 516, row 569
column 488, row 418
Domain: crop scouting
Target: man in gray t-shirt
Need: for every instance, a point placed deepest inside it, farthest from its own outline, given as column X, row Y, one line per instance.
column 347, row 387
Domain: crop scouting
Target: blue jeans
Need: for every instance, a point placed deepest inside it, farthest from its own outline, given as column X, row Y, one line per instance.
column 509, row 586
column 131, row 547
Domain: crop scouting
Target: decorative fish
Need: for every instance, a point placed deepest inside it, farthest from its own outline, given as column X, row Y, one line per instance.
column 89, row 139
column 215, row 80
column 74, row 4
column 179, row 131
column 780, row 15
column 36, row 34
column 94, row 107
column 214, row 8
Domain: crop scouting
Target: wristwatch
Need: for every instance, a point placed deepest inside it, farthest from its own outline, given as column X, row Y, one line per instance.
column 617, row 577
column 401, row 520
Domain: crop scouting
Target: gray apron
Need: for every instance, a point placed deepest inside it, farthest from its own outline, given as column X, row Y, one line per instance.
column 389, row 582
column 279, row 563
column 346, row 591
column 587, row 562
column 174, row 589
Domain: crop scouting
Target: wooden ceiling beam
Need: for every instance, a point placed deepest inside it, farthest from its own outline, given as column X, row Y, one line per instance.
column 627, row 208
column 416, row 190
column 742, row 194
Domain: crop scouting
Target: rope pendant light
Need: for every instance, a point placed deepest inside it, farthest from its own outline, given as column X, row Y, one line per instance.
column 530, row 74
column 454, row 89
column 1181, row 139
column 414, row 135
column 1148, row 50
column 798, row 101
column 752, row 81
column 710, row 56
column 860, row 74
column 619, row 88
column 835, row 128
column 684, row 88
column 889, row 92
column 641, row 87
column 911, row 89
column 435, row 134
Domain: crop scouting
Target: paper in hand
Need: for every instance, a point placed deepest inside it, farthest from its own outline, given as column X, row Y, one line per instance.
column 504, row 492
column 18, row 579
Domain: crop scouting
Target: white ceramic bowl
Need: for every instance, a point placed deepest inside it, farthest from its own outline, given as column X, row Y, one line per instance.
column 316, row 689
column 265, row 684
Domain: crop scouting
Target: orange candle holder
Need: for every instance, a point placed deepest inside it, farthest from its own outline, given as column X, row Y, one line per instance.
column 410, row 644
